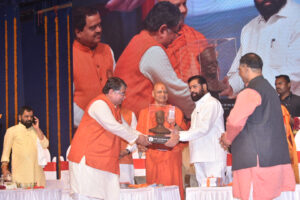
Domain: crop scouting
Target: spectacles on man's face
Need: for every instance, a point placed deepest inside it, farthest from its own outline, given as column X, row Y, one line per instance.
column 176, row 32
column 120, row 93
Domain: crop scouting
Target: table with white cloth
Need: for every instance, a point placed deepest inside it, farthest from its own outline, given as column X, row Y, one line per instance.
column 31, row 194
column 147, row 193
column 225, row 193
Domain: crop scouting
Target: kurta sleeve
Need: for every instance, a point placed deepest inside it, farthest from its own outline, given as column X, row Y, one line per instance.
column 100, row 111
column 156, row 66
column 245, row 104
column 44, row 142
column 7, row 145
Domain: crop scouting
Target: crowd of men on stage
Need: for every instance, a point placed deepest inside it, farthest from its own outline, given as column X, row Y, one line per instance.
column 117, row 107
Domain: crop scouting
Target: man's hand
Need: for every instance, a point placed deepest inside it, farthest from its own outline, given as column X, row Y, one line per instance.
column 142, row 148
column 123, row 153
column 142, row 140
column 174, row 139
column 4, row 169
column 36, row 125
column 228, row 91
column 223, row 142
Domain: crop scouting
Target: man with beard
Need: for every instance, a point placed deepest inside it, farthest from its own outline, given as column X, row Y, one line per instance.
column 21, row 140
column 92, row 61
column 275, row 36
column 207, row 125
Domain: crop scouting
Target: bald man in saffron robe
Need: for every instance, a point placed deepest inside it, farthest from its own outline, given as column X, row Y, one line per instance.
column 163, row 166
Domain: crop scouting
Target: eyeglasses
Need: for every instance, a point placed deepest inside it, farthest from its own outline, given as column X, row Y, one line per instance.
column 120, row 93
column 175, row 32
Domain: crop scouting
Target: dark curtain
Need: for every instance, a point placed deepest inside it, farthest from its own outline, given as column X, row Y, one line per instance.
column 11, row 79
column 44, row 73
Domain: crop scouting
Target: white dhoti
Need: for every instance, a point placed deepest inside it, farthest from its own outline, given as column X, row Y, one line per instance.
column 90, row 183
column 127, row 173
column 209, row 169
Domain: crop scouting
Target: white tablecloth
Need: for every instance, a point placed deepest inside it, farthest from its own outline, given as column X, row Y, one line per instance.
column 225, row 193
column 31, row 194
column 148, row 193
column 151, row 193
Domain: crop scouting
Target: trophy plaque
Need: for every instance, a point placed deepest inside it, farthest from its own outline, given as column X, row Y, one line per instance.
column 163, row 119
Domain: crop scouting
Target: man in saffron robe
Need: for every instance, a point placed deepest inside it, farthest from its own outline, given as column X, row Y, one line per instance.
column 92, row 61
column 162, row 166
column 145, row 62
column 256, row 133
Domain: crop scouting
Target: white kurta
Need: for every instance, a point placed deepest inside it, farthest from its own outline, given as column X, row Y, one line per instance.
column 207, row 125
column 277, row 42
column 127, row 170
column 155, row 65
column 95, row 183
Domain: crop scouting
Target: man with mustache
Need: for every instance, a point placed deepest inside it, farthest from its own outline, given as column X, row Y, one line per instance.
column 92, row 61
column 95, row 148
column 275, row 36
column 21, row 140
column 184, row 50
column 145, row 61
column 287, row 98
column 207, row 125
column 260, row 156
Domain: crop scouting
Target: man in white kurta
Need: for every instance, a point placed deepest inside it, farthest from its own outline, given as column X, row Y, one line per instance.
column 276, row 39
column 21, row 140
column 207, row 125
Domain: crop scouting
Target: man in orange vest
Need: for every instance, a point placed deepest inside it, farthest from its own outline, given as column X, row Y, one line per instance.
column 163, row 166
column 145, row 61
column 95, row 148
column 185, row 49
column 92, row 61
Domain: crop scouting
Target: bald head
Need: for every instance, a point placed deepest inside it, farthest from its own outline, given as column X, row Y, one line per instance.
column 181, row 4
column 160, row 94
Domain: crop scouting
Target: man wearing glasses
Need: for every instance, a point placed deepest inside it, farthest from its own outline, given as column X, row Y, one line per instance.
column 95, row 148
column 145, row 61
